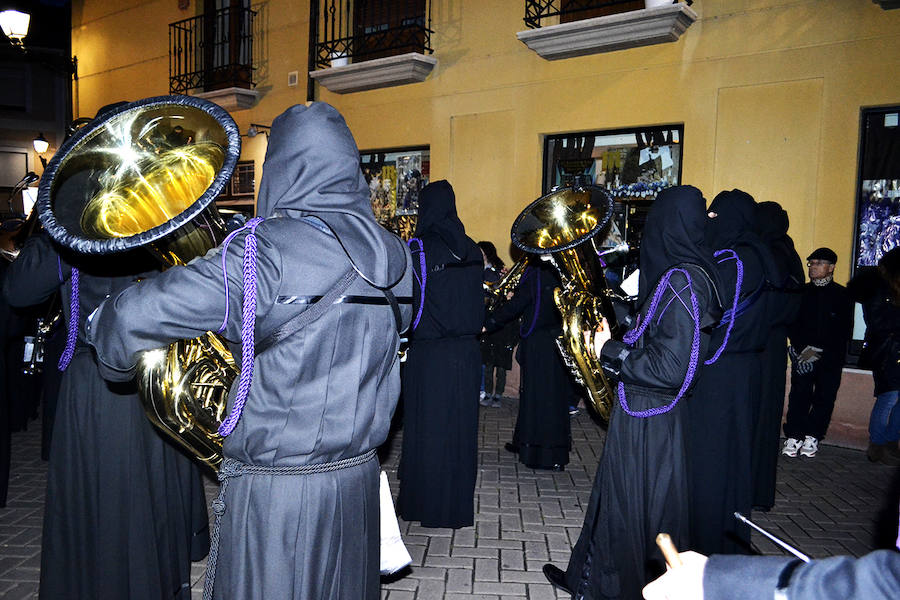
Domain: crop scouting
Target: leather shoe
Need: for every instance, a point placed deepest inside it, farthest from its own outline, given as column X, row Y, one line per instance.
column 556, row 577
column 510, row 447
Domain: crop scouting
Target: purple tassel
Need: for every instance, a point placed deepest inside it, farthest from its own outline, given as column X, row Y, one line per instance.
column 248, row 321
column 739, row 280
column 421, row 277
column 74, row 316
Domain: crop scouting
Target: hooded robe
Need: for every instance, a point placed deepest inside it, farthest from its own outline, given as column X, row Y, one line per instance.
column 542, row 435
column 641, row 486
column 725, row 404
column 125, row 512
column 322, row 394
column 783, row 302
column 442, row 374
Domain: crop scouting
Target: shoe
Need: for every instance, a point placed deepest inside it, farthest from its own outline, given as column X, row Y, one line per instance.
column 886, row 454
column 510, row 447
column 791, row 446
column 573, row 410
column 484, row 399
column 874, row 452
column 495, row 403
column 556, row 577
column 810, row 446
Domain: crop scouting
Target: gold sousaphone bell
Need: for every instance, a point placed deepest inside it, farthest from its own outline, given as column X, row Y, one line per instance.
column 145, row 174
column 564, row 226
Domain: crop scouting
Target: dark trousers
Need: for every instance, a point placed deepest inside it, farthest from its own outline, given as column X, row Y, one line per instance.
column 811, row 401
column 489, row 375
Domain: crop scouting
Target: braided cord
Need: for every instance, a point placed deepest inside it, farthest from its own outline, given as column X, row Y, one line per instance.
column 633, row 335
column 421, row 277
column 233, row 468
column 248, row 325
column 74, row 317
column 739, row 280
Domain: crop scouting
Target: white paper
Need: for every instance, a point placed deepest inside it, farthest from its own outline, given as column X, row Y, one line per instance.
column 630, row 285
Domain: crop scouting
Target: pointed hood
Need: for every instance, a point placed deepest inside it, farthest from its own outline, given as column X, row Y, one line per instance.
column 734, row 222
column 312, row 169
column 437, row 215
column 673, row 234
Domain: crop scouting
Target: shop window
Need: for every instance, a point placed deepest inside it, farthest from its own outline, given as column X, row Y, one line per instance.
column 632, row 165
column 395, row 178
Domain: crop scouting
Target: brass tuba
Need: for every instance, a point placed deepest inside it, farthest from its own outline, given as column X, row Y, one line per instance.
column 145, row 174
column 563, row 226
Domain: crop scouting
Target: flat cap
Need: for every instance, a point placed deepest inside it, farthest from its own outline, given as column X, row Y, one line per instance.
column 826, row 254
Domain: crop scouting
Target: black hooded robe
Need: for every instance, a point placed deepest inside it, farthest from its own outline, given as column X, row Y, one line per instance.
column 320, row 395
column 783, row 302
column 542, row 433
column 442, row 374
column 725, row 403
column 641, row 486
column 125, row 512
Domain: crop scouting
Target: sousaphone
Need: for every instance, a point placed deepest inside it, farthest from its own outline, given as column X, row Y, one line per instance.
column 145, row 174
column 565, row 226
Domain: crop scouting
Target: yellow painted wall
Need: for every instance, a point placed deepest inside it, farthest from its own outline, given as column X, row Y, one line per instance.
column 769, row 92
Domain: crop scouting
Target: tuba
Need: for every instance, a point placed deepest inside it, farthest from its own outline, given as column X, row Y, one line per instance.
column 563, row 226
column 145, row 174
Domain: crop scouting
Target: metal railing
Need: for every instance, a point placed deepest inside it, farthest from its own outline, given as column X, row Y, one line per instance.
column 564, row 11
column 345, row 31
column 212, row 51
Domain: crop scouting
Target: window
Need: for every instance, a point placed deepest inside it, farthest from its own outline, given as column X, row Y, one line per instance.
column 395, row 178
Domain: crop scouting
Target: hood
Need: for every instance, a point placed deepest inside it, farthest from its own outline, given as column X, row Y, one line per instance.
column 437, row 216
column 312, row 169
column 673, row 234
column 735, row 219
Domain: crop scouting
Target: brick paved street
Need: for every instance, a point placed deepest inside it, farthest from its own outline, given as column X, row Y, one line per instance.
column 837, row 503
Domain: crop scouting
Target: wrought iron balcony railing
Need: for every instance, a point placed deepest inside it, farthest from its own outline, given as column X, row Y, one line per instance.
column 539, row 13
column 212, row 51
column 359, row 30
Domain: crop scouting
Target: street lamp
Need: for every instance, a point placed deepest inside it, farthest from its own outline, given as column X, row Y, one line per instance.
column 15, row 25
column 255, row 129
column 40, row 144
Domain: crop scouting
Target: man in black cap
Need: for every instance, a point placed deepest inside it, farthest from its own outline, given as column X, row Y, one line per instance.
column 819, row 339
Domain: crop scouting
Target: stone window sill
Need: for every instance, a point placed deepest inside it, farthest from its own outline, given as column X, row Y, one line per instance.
column 231, row 99
column 608, row 34
column 412, row 67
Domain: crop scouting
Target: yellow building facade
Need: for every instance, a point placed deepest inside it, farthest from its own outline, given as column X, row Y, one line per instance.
column 769, row 93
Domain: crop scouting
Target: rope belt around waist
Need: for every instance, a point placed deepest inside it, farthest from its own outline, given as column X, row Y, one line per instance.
column 234, row 468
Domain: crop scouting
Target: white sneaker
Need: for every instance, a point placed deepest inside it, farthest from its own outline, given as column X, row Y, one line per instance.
column 791, row 446
column 810, row 446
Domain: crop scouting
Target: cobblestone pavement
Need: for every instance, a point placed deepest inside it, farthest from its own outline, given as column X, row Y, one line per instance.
column 836, row 503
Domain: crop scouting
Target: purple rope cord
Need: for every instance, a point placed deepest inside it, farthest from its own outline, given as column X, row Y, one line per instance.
column 248, row 321
column 739, row 280
column 74, row 316
column 632, row 336
column 421, row 277
column 537, row 300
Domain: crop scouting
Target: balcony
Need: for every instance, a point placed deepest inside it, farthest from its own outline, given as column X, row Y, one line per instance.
column 211, row 56
column 368, row 44
column 567, row 28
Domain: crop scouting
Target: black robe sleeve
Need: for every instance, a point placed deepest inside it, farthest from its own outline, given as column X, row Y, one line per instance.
column 35, row 275
column 662, row 355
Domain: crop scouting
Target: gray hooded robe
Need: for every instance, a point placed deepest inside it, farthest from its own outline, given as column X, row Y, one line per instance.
column 325, row 393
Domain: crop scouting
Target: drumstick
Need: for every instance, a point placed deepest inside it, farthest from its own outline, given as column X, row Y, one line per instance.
column 664, row 541
column 778, row 541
